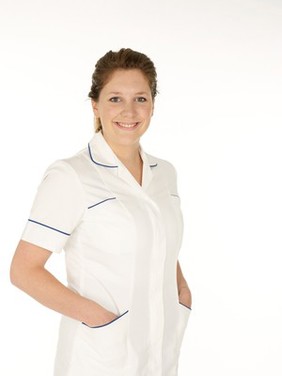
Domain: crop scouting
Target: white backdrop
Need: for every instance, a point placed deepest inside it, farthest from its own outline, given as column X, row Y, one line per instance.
column 217, row 119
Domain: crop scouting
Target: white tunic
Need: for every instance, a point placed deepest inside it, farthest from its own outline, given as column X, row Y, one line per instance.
column 121, row 243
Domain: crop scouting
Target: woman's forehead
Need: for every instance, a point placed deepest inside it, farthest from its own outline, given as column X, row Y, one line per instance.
column 129, row 80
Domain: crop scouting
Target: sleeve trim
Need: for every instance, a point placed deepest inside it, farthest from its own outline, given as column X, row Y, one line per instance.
column 52, row 228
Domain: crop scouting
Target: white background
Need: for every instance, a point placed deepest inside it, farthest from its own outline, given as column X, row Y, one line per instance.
column 217, row 119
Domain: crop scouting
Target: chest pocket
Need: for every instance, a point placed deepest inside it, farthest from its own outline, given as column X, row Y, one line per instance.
column 108, row 226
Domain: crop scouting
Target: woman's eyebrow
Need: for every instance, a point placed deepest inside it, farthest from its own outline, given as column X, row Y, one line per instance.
column 118, row 93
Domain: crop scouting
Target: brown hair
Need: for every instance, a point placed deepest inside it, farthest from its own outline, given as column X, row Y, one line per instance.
column 125, row 58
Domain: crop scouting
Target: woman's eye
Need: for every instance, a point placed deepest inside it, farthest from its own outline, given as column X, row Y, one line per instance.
column 114, row 99
column 141, row 99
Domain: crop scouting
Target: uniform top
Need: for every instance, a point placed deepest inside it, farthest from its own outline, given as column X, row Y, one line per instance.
column 121, row 241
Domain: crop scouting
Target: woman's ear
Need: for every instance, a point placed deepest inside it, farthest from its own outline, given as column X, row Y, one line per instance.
column 95, row 108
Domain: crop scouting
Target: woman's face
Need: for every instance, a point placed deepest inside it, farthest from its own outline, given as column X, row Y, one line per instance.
column 125, row 107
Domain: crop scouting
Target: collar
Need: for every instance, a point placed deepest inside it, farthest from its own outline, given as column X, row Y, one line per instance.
column 102, row 155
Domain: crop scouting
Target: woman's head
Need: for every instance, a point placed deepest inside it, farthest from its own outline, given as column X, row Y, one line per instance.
column 124, row 59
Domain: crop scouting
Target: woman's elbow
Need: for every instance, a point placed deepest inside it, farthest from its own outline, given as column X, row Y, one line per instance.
column 20, row 268
column 16, row 273
column 27, row 261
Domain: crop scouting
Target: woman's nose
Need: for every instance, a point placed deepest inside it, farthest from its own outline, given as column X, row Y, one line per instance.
column 129, row 109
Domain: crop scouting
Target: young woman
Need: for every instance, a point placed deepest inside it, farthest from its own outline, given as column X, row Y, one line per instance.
column 115, row 211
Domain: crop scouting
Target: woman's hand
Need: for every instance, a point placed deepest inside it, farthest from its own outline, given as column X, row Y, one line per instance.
column 102, row 317
column 184, row 292
column 185, row 296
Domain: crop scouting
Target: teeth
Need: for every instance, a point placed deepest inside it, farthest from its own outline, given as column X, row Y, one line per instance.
column 126, row 125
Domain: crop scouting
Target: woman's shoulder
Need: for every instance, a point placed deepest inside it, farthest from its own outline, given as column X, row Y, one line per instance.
column 66, row 169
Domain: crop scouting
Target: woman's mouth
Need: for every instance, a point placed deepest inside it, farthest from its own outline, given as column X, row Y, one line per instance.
column 126, row 126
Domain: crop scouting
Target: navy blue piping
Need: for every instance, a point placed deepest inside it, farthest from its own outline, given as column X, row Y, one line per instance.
column 52, row 228
column 104, row 165
column 98, row 203
column 97, row 163
column 108, row 323
column 186, row 306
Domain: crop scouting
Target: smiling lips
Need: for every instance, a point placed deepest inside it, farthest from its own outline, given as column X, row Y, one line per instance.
column 127, row 126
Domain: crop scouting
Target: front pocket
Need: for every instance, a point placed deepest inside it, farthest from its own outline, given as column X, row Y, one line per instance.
column 105, row 345
column 108, row 323
column 183, row 316
column 189, row 308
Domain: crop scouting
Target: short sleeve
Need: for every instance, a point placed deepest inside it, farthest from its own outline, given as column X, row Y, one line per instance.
column 57, row 209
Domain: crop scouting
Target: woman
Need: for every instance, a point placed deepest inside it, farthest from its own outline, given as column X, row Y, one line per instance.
column 115, row 211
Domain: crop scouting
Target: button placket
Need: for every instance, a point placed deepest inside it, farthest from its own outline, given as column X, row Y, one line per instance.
column 156, row 290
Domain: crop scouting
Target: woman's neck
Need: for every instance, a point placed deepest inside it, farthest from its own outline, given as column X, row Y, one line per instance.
column 127, row 154
column 130, row 157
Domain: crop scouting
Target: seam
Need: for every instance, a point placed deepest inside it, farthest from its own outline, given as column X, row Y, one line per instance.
column 69, row 166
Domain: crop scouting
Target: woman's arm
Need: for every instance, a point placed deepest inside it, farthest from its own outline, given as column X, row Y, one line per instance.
column 28, row 273
column 184, row 292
